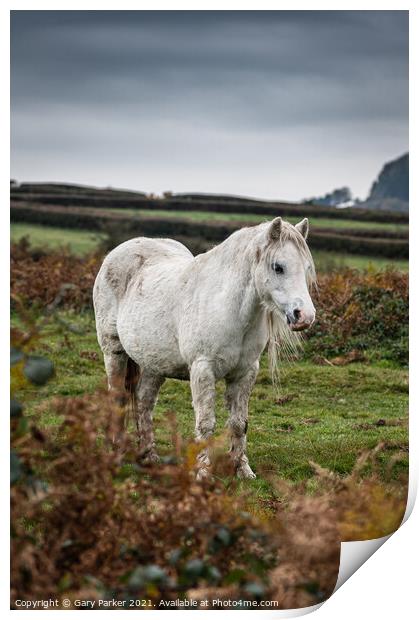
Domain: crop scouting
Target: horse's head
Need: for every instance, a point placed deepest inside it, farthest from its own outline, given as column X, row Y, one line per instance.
column 285, row 271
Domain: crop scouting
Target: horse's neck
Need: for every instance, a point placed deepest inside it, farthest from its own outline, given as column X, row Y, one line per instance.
column 229, row 268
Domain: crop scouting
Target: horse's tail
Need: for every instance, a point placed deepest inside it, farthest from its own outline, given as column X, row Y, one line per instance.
column 132, row 377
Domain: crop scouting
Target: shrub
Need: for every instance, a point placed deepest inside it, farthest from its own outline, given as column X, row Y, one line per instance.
column 361, row 311
column 83, row 507
column 88, row 521
column 39, row 277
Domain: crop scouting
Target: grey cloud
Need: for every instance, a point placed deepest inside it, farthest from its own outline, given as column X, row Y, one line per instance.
column 80, row 78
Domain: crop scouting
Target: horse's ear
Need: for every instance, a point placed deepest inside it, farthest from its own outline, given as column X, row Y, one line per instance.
column 302, row 227
column 274, row 230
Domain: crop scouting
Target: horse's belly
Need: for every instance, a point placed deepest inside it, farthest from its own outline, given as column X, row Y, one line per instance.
column 148, row 336
column 154, row 352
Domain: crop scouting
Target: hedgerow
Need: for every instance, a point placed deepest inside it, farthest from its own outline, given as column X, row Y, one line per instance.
column 78, row 196
column 88, row 218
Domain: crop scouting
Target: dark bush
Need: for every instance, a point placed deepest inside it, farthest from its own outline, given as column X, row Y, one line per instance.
column 365, row 311
column 39, row 278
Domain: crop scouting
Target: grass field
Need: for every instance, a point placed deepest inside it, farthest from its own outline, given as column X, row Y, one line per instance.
column 321, row 413
column 326, row 261
column 79, row 241
column 210, row 216
column 83, row 241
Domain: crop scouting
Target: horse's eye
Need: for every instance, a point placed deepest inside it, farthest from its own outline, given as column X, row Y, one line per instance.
column 277, row 268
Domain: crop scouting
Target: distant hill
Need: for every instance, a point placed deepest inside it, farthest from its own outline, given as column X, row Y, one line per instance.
column 390, row 192
column 393, row 181
column 70, row 189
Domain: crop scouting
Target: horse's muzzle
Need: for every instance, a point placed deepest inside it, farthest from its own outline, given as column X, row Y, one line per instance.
column 298, row 321
column 299, row 327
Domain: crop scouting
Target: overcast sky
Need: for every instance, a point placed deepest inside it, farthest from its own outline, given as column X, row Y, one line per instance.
column 278, row 104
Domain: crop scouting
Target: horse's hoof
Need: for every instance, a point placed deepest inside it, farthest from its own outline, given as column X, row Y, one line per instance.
column 203, row 473
column 245, row 472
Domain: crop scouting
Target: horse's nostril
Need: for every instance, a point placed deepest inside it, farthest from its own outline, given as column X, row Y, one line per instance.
column 297, row 314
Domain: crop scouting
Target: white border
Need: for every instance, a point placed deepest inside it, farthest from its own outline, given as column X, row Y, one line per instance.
column 386, row 584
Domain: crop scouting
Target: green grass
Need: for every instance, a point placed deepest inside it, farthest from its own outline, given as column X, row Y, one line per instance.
column 321, row 421
column 326, row 261
column 82, row 241
column 79, row 241
column 210, row 216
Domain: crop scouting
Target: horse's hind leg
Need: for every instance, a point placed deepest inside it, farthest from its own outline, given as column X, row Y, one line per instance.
column 146, row 396
column 203, row 398
column 237, row 400
column 115, row 360
column 116, row 368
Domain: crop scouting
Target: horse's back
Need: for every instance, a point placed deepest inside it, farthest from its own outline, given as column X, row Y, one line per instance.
column 122, row 271
column 125, row 262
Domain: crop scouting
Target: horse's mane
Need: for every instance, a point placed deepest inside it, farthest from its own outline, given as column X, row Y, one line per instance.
column 283, row 343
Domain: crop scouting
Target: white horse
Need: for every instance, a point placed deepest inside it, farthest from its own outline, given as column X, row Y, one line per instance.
column 167, row 314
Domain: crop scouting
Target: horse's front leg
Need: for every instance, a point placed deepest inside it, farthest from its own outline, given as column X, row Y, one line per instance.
column 237, row 400
column 203, row 399
column 145, row 399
